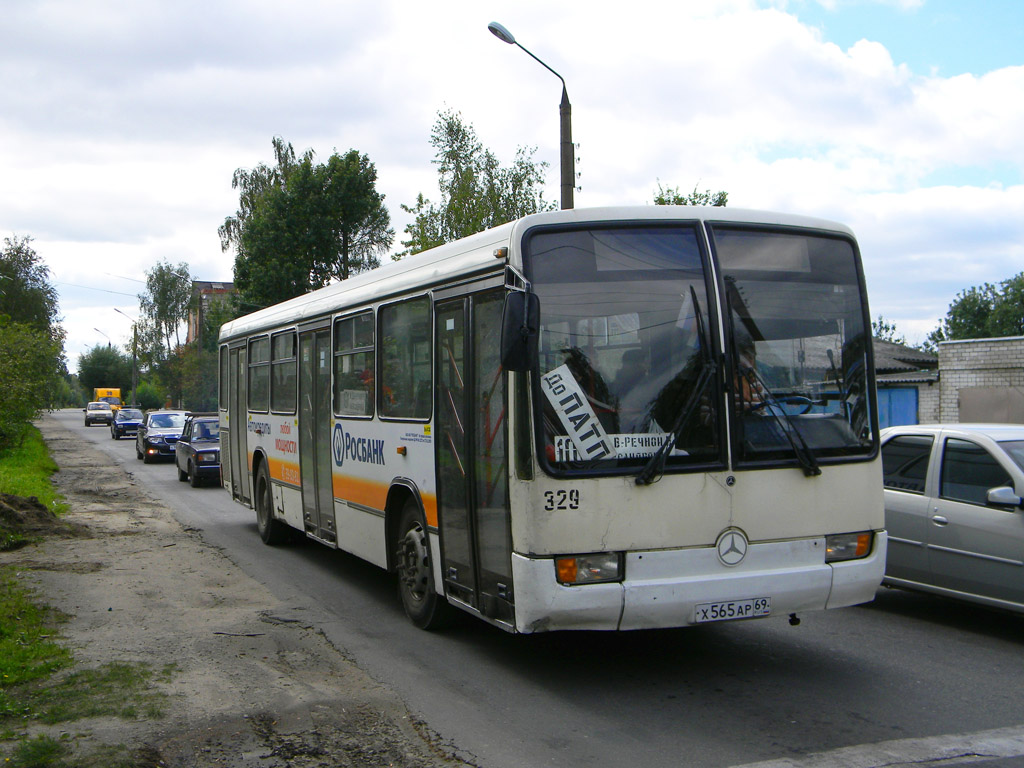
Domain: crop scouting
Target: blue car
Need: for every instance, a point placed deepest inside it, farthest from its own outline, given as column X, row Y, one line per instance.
column 158, row 434
column 197, row 453
column 126, row 422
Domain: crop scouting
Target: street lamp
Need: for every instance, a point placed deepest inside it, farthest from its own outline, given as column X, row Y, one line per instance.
column 135, row 352
column 101, row 333
column 567, row 156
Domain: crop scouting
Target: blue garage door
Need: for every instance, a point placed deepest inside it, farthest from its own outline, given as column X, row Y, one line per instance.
column 897, row 406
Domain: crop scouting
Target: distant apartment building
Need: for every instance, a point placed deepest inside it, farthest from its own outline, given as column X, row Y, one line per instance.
column 203, row 294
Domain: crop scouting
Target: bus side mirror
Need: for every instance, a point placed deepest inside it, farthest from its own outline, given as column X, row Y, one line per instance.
column 520, row 327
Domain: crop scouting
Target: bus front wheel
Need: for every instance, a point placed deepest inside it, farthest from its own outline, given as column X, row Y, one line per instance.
column 271, row 531
column 424, row 607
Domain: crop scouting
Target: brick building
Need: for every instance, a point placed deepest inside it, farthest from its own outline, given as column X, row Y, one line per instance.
column 981, row 380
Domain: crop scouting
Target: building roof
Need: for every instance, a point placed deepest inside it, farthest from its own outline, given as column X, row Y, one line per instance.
column 893, row 358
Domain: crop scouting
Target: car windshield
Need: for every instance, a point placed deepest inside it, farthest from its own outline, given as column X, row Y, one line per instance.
column 128, row 414
column 206, row 430
column 1015, row 450
column 166, row 420
column 99, row 407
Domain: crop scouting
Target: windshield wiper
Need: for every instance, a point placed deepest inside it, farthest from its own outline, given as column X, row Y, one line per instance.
column 656, row 466
column 804, row 455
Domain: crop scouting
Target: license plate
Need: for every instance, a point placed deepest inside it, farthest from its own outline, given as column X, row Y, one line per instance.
column 733, row 609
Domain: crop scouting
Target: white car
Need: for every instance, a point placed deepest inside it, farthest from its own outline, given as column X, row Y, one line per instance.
column 98, row 413
column 953, row 510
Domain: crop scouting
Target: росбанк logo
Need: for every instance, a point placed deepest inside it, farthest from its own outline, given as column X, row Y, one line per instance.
column 362, row 449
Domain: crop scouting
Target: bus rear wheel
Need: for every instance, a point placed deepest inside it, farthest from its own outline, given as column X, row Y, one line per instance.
column 423, row 605
column 271, row 531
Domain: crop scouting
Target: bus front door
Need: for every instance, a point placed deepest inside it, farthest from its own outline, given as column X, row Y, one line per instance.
column 315, row 435
column 472, row 464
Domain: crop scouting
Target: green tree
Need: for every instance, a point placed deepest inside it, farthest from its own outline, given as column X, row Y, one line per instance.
column 104, row 366
column 26, row 295
column 672, row 196
column 1007, row 318
column 31, row 342
column 983, row 312
column 164, row 308
column 31, row 370
column 886, row 331
column 476, row 192
column 300, row 224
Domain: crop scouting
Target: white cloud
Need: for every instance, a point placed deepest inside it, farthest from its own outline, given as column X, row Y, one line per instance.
column 123, row 125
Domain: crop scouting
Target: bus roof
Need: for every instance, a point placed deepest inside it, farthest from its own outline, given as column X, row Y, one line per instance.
column 475, row 255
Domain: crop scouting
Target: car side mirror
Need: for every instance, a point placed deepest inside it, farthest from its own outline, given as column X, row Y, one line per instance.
column 1003, row 496
column 520, row 330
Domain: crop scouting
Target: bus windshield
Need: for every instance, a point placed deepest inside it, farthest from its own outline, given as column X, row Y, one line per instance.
column 628, row 357
column 620, row 346
column 798, row 345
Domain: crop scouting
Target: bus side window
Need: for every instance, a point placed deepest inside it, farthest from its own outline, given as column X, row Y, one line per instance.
column 353, row 365
column 406, row 369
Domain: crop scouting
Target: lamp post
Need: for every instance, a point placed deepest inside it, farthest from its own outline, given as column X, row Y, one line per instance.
column 567, row 156
column 101, row 333
column 135, row 352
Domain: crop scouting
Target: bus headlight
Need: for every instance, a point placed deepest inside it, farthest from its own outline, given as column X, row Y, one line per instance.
column 589, row 569
column 847, row 546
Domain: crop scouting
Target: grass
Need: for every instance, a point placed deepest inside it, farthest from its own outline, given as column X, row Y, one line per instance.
column 25, row 471
column 38, row 682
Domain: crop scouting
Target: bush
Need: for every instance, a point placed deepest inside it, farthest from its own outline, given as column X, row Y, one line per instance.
column 30, row 376
column 149, row 396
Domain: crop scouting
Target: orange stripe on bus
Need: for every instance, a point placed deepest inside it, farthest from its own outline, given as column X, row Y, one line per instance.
column 369, row 493
column 285, row 471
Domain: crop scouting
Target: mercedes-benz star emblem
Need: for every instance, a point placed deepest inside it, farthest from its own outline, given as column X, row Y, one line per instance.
column 732, row 546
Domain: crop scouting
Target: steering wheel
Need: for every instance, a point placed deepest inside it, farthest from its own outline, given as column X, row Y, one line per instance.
column 806, row 402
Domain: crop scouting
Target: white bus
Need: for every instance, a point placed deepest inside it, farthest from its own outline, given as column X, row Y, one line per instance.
column 611, row 419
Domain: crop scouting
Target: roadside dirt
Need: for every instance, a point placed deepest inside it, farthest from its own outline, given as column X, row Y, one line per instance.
column 255, row 684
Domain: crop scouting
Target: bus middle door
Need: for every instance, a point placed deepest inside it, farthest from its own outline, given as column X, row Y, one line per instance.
column 472, row 463
column 315, row 435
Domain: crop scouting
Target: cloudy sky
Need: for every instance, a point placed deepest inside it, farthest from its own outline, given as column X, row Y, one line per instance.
column 121, row 123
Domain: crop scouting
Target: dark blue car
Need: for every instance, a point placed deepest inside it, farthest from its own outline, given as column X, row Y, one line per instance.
column 197, row 453
column 126, row 422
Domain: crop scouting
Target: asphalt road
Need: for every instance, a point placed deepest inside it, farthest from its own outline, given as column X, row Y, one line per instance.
column 908, row 678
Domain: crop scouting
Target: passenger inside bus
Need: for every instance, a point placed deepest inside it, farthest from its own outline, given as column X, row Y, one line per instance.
column 632, row 370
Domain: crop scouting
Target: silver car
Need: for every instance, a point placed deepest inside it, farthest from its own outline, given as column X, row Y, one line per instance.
column 953, row 510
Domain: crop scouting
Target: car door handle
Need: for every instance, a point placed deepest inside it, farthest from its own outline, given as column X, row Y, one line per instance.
column 939, row 520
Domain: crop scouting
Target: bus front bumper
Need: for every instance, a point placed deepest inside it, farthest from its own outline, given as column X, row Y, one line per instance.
column 663, row 588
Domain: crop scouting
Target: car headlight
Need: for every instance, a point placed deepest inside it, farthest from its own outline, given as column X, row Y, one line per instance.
column 589, row 569
column 848, row 546
column 210, row 458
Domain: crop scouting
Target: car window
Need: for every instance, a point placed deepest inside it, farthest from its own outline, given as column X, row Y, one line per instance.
column 206, row 430
column 166, row 420
column 905, row 462
column 1015, row 450
column 969, row 471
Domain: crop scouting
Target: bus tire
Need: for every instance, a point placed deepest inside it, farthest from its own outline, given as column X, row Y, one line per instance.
column 423, row 605
column 271, row 531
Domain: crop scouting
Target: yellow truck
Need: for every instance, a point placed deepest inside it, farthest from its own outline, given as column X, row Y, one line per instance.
column 108, row 395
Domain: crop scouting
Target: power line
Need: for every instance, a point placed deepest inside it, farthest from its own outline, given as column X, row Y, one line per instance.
column 103, row 290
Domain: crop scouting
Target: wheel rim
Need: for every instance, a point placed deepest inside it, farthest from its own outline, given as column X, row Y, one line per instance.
column 414, row 563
